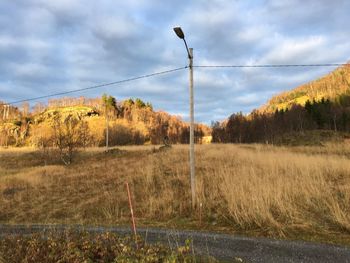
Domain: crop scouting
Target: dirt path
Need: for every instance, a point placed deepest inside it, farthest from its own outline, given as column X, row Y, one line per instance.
column 221, row 246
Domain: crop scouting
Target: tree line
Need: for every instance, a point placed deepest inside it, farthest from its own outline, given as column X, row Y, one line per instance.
column 267, row 127
column 130, row 121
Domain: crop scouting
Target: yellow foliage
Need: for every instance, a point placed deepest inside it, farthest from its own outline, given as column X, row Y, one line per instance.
column 330, row 86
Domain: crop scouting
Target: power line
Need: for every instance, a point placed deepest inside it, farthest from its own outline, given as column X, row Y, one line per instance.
column 177, row 69
column 97, row 86
column 273, row 66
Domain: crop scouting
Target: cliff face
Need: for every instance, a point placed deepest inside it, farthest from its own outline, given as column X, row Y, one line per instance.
column 333, row 86
column 79, row 112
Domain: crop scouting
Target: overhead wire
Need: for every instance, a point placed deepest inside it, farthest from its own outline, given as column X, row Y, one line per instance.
column 272, row 65
column 96, row 86
column 173, row 70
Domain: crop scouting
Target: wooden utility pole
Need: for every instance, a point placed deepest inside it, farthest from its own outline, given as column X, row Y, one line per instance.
column 4, row 113
column 107, row 126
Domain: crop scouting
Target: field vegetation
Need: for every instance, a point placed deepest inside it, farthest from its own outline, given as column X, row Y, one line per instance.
column 71, row 246
column 261, row 190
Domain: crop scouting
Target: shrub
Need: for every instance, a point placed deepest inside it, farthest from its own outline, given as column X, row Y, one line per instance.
column 72, row 246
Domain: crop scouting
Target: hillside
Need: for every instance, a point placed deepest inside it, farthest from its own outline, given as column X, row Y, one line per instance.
column 312, row 113
column 333, row 86
column 130, row 122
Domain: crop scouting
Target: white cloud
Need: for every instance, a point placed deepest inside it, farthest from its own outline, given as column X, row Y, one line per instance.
column 115, row 27
column 248, row 99
column 289, row 51
column 30, row 69
column 49, row 46
column 254, row 33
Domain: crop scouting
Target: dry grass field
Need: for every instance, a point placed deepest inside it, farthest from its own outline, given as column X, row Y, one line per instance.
column 298, row 193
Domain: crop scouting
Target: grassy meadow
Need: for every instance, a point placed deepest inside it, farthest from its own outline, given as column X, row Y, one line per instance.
column 259, row 190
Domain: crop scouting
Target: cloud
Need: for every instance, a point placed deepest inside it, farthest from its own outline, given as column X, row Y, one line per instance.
column 291, row 51
column 59, row 45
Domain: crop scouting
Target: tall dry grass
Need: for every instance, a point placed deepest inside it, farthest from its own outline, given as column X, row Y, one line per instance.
column 272, row 190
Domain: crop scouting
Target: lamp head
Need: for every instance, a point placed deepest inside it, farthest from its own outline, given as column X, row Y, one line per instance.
column 179, row 32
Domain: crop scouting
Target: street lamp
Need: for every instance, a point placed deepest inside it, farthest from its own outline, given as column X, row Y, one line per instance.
column 181, row 35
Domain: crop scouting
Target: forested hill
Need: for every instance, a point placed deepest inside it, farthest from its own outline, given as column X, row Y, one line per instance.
column 130, row 121
column 311, row 113
column 333, row 86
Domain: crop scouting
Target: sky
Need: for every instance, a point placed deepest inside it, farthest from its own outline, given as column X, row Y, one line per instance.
column 50, row 46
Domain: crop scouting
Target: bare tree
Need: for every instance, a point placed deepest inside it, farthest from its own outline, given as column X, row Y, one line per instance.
column 69, row 134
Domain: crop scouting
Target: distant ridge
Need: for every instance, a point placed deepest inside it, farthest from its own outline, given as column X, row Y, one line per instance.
column 331, row 86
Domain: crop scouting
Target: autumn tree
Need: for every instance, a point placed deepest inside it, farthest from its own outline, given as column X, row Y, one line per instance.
column 269, row 127
column 67, row 136
column 110, row 106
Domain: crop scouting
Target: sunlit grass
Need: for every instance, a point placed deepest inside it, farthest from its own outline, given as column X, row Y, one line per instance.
column 261, row 189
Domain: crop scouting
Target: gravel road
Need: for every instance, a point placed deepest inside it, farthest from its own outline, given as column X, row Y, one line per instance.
column 221, row 246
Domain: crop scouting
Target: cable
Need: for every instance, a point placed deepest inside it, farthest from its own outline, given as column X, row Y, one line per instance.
column 273, row 66
column 95, row 87
column 177, row 69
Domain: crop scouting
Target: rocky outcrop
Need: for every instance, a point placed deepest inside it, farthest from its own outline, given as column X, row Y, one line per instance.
column 76, row 112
